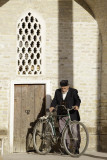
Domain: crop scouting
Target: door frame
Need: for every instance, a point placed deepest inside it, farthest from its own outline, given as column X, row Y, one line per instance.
column 13, row 83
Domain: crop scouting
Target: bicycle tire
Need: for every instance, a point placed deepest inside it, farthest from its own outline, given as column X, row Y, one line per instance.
column 42, row 137
column 71, row 150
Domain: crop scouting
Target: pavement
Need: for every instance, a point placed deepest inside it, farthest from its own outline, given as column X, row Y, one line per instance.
column 89, row 155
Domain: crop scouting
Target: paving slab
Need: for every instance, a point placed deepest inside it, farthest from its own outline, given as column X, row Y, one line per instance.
column 54, row 156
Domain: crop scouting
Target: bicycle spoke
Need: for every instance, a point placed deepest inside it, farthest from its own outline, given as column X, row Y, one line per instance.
column 75, row 139
column 41, row 137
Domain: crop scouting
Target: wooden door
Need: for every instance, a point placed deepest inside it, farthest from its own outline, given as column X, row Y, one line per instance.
column 29, row 104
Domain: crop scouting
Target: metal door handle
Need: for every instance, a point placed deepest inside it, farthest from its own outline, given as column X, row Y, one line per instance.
column 27, row 111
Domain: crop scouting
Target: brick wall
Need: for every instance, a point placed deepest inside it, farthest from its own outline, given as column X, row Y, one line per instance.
column 99, row 8
column 71, row 52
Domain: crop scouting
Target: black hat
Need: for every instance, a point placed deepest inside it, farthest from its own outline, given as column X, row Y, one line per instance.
column 64, row 83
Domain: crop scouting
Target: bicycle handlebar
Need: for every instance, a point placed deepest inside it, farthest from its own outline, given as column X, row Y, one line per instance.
column 68, row 109
column 51, row 113
column 73, row 107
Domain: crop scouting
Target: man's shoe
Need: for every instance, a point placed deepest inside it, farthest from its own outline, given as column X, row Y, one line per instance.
column 77, row 151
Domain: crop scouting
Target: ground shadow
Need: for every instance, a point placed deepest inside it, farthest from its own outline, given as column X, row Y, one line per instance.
column 93, row 156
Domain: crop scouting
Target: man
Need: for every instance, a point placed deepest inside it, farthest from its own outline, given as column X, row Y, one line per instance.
column 69, row 97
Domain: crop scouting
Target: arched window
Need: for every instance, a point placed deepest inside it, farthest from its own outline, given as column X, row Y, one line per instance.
column 29, row 45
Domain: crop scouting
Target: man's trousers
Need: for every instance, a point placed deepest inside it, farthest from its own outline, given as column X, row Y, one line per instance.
column 75, row 132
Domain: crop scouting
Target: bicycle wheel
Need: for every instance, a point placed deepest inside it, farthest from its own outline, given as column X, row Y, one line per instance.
column 75, row 139
column 42, row 137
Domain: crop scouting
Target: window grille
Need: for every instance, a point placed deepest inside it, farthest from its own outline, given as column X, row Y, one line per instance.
column 29, row 46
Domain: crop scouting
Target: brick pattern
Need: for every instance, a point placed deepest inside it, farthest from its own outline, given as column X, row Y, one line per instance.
column 71, row 52
column 99, row 8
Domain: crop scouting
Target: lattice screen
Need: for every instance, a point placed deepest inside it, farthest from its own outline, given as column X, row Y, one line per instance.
column 29, row 46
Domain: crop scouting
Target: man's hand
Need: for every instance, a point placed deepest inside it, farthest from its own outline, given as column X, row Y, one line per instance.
column 51, row 109
column 76, row 108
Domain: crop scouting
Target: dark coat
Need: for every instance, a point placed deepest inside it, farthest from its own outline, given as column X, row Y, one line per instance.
column 72, row 99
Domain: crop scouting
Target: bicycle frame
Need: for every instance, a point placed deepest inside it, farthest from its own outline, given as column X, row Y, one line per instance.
column 51, row 138
column 51, row 121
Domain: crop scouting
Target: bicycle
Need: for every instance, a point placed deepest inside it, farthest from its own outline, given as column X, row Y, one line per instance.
column 44, row 135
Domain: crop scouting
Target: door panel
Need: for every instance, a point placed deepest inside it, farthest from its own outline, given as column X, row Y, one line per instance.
column 39, row 101
column 29, row 105
column 24, row 116
column 17, row 122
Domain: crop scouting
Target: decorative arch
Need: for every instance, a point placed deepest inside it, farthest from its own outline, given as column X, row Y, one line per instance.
column 30, row 39
column 86, row 7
